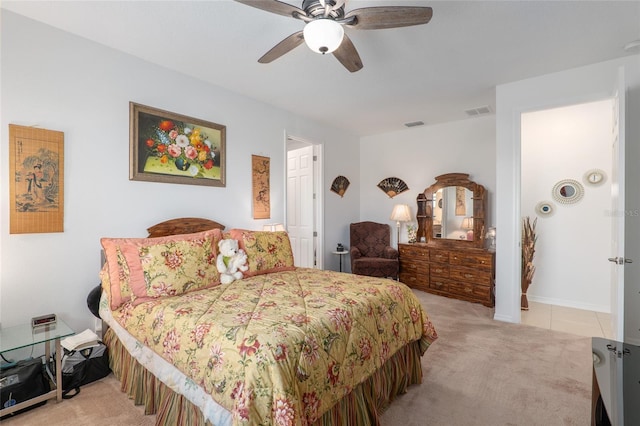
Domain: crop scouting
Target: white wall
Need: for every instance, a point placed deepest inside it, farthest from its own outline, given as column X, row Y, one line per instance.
column 417, row 155
column 563, row 143
column 58, row 81
column 584, row 84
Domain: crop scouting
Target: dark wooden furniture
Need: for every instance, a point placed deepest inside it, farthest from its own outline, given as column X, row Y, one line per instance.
column 465, row 273
column 616, row 383
column 451, row 261
column 186, row 225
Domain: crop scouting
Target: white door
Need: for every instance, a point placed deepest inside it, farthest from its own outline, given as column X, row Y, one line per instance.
column 618, row 210
column 300, row 205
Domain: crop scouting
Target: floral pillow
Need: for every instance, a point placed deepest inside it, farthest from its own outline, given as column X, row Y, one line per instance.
column 164, row 266
column 266, row 251
column 118, row 274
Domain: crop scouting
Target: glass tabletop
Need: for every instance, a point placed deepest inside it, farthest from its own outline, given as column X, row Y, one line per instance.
column 24, row 335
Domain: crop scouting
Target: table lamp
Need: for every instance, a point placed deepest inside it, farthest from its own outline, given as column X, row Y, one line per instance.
column 467, row 223
column 400, row 213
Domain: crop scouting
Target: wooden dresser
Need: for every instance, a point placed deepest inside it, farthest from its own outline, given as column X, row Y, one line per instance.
column 465, row 273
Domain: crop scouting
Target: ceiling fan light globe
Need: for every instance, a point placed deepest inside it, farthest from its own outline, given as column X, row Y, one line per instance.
column 323, row 35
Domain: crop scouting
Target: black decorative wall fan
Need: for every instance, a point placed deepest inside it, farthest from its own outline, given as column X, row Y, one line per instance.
column 392, row 186
column 340, row 185
column 324, row 20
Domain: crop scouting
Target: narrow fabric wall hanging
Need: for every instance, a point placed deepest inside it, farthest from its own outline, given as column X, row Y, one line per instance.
column 392, row 186
column 261, row 190
column 340, row 185
column 36, row 180
column 461, row 202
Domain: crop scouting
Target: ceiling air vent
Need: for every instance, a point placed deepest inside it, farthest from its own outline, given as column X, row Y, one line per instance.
column 483, row 110
column 414, row 124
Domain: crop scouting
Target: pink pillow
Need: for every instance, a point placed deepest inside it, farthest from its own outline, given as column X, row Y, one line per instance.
column 266, row 251
column 145, row 268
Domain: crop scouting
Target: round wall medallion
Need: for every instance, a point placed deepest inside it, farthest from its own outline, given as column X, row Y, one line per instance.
column 545, row 208
column 594, row 177
column 568, row 191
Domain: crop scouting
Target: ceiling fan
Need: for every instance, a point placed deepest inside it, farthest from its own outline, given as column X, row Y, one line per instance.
column 323, row 31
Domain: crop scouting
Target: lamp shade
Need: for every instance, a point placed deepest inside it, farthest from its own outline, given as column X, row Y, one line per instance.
column 273, row 227
column 401, row 213
column 323, row 35
column 467, row 223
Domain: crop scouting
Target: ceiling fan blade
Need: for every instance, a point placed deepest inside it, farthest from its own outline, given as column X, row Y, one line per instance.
column 275, row 6
column 348, row 55
column 373, row 18
column 285, row 46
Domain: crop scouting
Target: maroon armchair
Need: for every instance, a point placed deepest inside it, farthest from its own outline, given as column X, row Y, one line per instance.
column 371, row 251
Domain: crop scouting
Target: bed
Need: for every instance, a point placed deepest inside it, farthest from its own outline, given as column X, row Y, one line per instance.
column 282, row 346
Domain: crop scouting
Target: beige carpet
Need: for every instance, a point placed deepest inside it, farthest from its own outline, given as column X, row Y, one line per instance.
column 479, row 372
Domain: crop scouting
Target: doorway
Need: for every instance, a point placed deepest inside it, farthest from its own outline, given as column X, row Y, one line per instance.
column 571, row 284
column 304, row 195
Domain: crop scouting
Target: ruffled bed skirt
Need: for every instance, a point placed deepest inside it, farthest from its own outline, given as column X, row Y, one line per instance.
column 362, row 407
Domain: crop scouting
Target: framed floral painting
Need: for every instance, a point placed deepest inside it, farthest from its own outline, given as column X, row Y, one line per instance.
column 173, row 148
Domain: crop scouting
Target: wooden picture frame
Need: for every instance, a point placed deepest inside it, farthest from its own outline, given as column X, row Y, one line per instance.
column 36, row 180
column 173, row 148
column 260, row 175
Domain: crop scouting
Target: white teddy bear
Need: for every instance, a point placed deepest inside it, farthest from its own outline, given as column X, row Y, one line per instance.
column 231, row 261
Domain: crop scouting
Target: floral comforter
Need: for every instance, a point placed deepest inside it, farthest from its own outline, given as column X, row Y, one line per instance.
column 281, row 348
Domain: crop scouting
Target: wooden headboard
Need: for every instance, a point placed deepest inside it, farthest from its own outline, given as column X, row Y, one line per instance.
column 185, row 225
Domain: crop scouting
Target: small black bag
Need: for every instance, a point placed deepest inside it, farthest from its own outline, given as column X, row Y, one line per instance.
column 83, row 366
column 23, row 381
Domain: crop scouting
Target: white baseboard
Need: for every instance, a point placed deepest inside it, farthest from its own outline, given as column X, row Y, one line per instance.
column 570, row 304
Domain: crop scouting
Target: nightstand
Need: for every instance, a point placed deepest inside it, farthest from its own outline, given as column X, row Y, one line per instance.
column 22, row 336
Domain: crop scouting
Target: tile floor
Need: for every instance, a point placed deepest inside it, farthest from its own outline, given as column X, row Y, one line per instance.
column 568, row 320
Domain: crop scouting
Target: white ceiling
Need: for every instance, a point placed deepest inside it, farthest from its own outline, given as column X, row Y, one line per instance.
column 431, row 73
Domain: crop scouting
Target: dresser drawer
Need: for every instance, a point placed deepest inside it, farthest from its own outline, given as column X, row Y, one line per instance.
column 439, row 256
column 439, row 284
column 414, row 281
column 470, row 275
column 439, row 270
column 470, row 290
column 410, row 265
column 479, row 261
column 413, row 252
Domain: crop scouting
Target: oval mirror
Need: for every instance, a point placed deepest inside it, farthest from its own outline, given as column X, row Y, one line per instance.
column 568, row 191
column 594, row 177
column 544, row 208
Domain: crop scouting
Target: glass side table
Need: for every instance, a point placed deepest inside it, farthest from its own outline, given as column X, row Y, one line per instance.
column 23, row 336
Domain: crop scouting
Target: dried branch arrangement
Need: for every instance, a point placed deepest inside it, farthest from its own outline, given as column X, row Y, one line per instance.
column 529, row 238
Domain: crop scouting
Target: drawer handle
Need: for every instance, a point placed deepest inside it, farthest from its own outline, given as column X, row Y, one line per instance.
column 482, row 261
column 468, row 289
column 468, row 275
column 438, row 270
column 455, row 257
